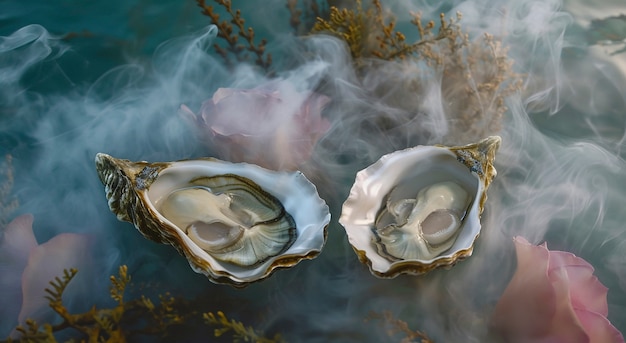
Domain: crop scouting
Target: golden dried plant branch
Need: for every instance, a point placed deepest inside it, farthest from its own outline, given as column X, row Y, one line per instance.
column 118, row 284
column 398, row 49
column 396, row 326
column 128, row 319
column 387, row 38
column 302, row 18
column 295, row 14
column 55, row 296
column 34, row 333
column 348, row 24
column 228, row 33
column 485, row 72
column 477, row 74
column 239, row 331
column 355, row 24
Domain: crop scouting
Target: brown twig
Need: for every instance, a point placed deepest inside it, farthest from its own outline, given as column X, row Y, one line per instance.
column 228, row 33
column 395, row 326
column 302, row 18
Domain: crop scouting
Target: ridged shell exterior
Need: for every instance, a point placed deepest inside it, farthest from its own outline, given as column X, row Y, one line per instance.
column 131, row 186
column 415, row 168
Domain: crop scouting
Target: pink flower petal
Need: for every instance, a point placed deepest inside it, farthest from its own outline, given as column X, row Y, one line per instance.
column 16, row 243
column 586, row 292
column 528, row 303
column 598, row 327
column 562, row 258
column 272, row 125
column 252, row 112
column 574, row 301
column 533, row 307
column 310, row 118
column 18, row 237
column 564, row 325
column 222, row 93
column 47, row 261
column 188, row 115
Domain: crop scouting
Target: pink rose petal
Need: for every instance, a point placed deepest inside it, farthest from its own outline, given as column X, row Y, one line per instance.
column 45, row 262
column 598, row 327
column 244, row 112
column 563, row 258
column 18, row 237
column 273, row 125
column 586, row 292
column 564, row 325
column 16, row 243
column 528, row 292
column 553, row 297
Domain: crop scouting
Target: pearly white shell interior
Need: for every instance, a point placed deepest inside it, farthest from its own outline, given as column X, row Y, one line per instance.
column 410, row 170
column 297, row 194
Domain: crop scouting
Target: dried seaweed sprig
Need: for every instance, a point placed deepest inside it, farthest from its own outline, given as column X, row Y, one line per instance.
column 166, row 314
column 32, row 332
column 117, row 324
column 118, row 284
column 128, row 319
column 97, row 325
column 387, row 37
column 478, row 76
column 7, row 204
column 302, row 18
column 394, row 326
column 349, row 24
column 357, row 26
column 393, row 45
column 295, row 18
column 55, row 297
column 227, row 32
column 239, row 331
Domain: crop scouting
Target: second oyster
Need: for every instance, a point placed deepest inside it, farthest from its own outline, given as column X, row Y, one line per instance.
column 419, row 209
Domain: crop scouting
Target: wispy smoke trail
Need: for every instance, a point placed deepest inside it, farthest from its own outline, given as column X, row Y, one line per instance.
column 560, row 167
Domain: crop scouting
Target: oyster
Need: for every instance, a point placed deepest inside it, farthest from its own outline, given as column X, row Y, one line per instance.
column 234, row 222
column 418, row 209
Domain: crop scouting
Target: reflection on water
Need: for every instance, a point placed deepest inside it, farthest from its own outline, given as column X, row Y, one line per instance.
column 110, row 77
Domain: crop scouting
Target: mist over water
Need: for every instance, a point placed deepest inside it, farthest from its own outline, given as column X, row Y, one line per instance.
column 561, row 169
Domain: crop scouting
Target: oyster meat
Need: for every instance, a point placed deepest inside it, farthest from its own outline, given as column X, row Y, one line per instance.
column 235, row 222
column 424, row 227
column 419, row 209
column 231, row 218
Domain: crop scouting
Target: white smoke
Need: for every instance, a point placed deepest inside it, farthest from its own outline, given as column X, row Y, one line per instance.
column 560, row 166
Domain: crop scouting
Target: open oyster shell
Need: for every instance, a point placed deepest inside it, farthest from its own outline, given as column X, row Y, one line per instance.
column 235, row 222
column 418, row 209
